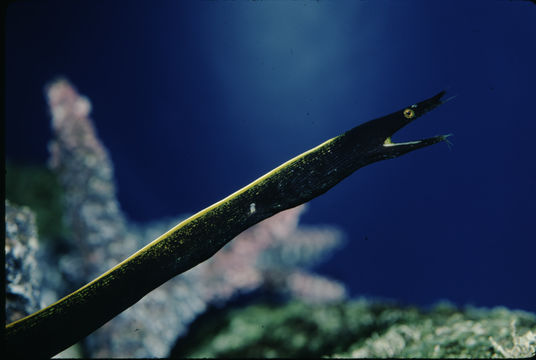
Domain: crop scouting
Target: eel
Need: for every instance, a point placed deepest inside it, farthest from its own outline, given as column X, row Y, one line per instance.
column 300, row 179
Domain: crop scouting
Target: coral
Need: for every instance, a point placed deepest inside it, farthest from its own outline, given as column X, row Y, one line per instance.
column 523, row 346
column 357, row 329
column 314, row 288
column 23, row 280
column 85, row 172
column 271, row 254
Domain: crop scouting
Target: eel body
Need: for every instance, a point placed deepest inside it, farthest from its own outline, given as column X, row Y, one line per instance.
column 304, row 177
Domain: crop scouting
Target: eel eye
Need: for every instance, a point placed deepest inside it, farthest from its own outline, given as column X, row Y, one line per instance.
column 409, row 114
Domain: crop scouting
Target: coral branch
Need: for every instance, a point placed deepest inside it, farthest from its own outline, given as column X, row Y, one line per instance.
column 85, row 171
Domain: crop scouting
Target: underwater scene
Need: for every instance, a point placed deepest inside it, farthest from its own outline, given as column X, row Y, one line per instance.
column 204, row 179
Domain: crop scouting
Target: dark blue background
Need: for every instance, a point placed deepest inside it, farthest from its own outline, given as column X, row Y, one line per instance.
column 196, row 99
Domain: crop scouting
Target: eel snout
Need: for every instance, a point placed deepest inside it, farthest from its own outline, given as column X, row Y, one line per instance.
column 397, row 120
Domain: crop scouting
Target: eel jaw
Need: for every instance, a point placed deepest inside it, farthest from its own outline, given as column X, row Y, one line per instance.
column 396, row 149
column 383, row 128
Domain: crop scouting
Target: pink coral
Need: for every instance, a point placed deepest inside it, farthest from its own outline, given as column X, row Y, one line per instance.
column 85, row 171
column 269, row 252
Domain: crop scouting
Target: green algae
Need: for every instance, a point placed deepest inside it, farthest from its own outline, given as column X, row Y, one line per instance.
column 37, row 187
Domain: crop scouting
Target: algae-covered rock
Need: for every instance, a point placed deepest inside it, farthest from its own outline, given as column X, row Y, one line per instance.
column 481, row 333
column 361, row 328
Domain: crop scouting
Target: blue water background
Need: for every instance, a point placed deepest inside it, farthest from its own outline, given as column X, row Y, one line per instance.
column 196, row 99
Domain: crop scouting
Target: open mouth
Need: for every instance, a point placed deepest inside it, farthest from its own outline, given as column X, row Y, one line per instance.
column 390, row 124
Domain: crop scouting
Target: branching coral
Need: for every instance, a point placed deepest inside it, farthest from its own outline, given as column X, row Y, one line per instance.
column 85, row 172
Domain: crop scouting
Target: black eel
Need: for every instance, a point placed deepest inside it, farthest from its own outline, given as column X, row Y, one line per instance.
column 306, row 176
